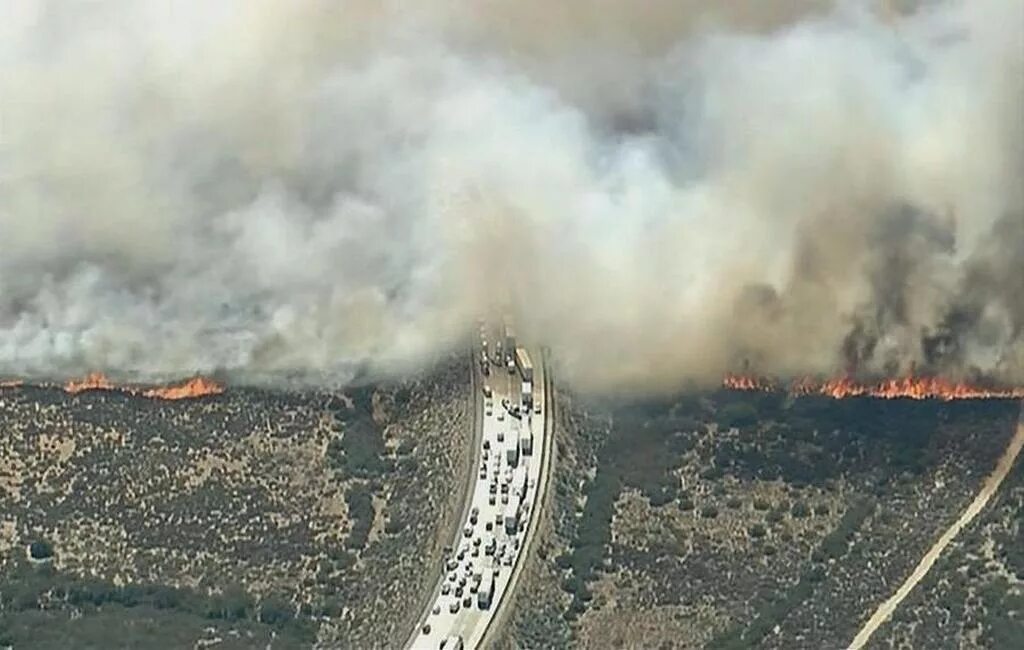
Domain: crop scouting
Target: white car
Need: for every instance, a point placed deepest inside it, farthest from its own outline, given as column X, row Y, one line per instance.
column 501, row 418
column 454, row 607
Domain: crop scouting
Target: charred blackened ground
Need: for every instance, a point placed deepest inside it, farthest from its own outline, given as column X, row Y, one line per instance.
column 743, row 520
column 240, row 517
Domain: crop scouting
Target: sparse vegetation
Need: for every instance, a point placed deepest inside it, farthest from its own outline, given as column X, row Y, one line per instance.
column 256, row 514
column 35, row 594
column 819, row 507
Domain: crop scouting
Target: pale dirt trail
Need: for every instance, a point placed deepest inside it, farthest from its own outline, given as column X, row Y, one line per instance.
column 988, row 488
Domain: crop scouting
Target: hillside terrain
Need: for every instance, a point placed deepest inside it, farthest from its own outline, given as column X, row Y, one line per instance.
column 753, row 520
column 238, row 520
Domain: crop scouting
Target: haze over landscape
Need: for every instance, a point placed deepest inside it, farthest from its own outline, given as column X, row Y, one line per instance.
column 509, row 324
column 306, row 188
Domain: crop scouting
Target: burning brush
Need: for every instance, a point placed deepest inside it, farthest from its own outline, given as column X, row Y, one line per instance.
column 910, row 387
column 190, row 389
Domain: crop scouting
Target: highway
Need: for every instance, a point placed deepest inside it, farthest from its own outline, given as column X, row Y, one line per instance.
column 503, row 493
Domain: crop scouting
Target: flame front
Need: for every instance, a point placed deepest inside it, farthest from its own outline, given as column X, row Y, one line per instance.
column 195, row 387
column 897, row 388
column 190, row 389
column 92, row 381
column 744, row 382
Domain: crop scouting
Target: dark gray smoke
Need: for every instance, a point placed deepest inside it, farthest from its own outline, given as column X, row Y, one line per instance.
column 278, row 189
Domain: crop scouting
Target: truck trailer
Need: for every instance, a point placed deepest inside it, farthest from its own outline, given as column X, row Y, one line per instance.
column 485, row 593
column 512, row 452
column 524, row 364
column 519, row 483
column 511, row 518
column 510, row 341
column 526, row 442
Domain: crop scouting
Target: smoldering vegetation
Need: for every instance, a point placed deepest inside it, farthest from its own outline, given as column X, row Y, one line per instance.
column 310, row 189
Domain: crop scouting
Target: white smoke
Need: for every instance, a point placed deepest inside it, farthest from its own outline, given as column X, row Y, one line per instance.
column 302, row 188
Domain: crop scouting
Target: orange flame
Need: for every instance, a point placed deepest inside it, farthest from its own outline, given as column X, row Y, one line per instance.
column 195, row 387
column 744, row 382
column 903, row 387
column 92, row 381
column 189, row 389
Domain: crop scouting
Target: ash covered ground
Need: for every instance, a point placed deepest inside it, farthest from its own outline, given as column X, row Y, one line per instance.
column 245, row 518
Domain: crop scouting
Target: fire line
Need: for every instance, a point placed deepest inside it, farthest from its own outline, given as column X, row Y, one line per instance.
column 910, row 387
column 96, row 381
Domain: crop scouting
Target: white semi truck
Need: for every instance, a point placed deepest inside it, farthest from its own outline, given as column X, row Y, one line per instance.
column 524, row 364
column 510, row 340
column 512, row 517
column 519, row 483
column 526, row 442
column 512, row 452
column 485, row 594
column 526, row 395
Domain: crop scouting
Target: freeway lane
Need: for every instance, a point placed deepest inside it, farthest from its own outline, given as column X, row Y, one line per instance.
column 547, row 460
column 493, row 533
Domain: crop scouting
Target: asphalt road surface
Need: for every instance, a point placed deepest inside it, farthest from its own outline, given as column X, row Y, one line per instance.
column 503, row 499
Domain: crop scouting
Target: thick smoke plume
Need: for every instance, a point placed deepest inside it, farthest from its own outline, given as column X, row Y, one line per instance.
column 659, row 191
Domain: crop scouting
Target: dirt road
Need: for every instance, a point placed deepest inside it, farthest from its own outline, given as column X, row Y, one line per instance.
column 988, row 488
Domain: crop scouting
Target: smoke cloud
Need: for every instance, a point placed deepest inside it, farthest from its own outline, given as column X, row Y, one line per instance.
column 659, row 193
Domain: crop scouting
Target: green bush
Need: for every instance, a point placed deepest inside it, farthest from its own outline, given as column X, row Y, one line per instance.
column 738, row 414
column 276, row 611
column 709, row 512
column 361, row 515
column 800, row 510
column 40, row 550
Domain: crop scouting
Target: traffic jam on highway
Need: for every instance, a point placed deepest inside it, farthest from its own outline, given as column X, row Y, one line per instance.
column 478, row 568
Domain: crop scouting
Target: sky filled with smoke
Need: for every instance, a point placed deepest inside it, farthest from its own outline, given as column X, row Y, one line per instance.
column 294, row 188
